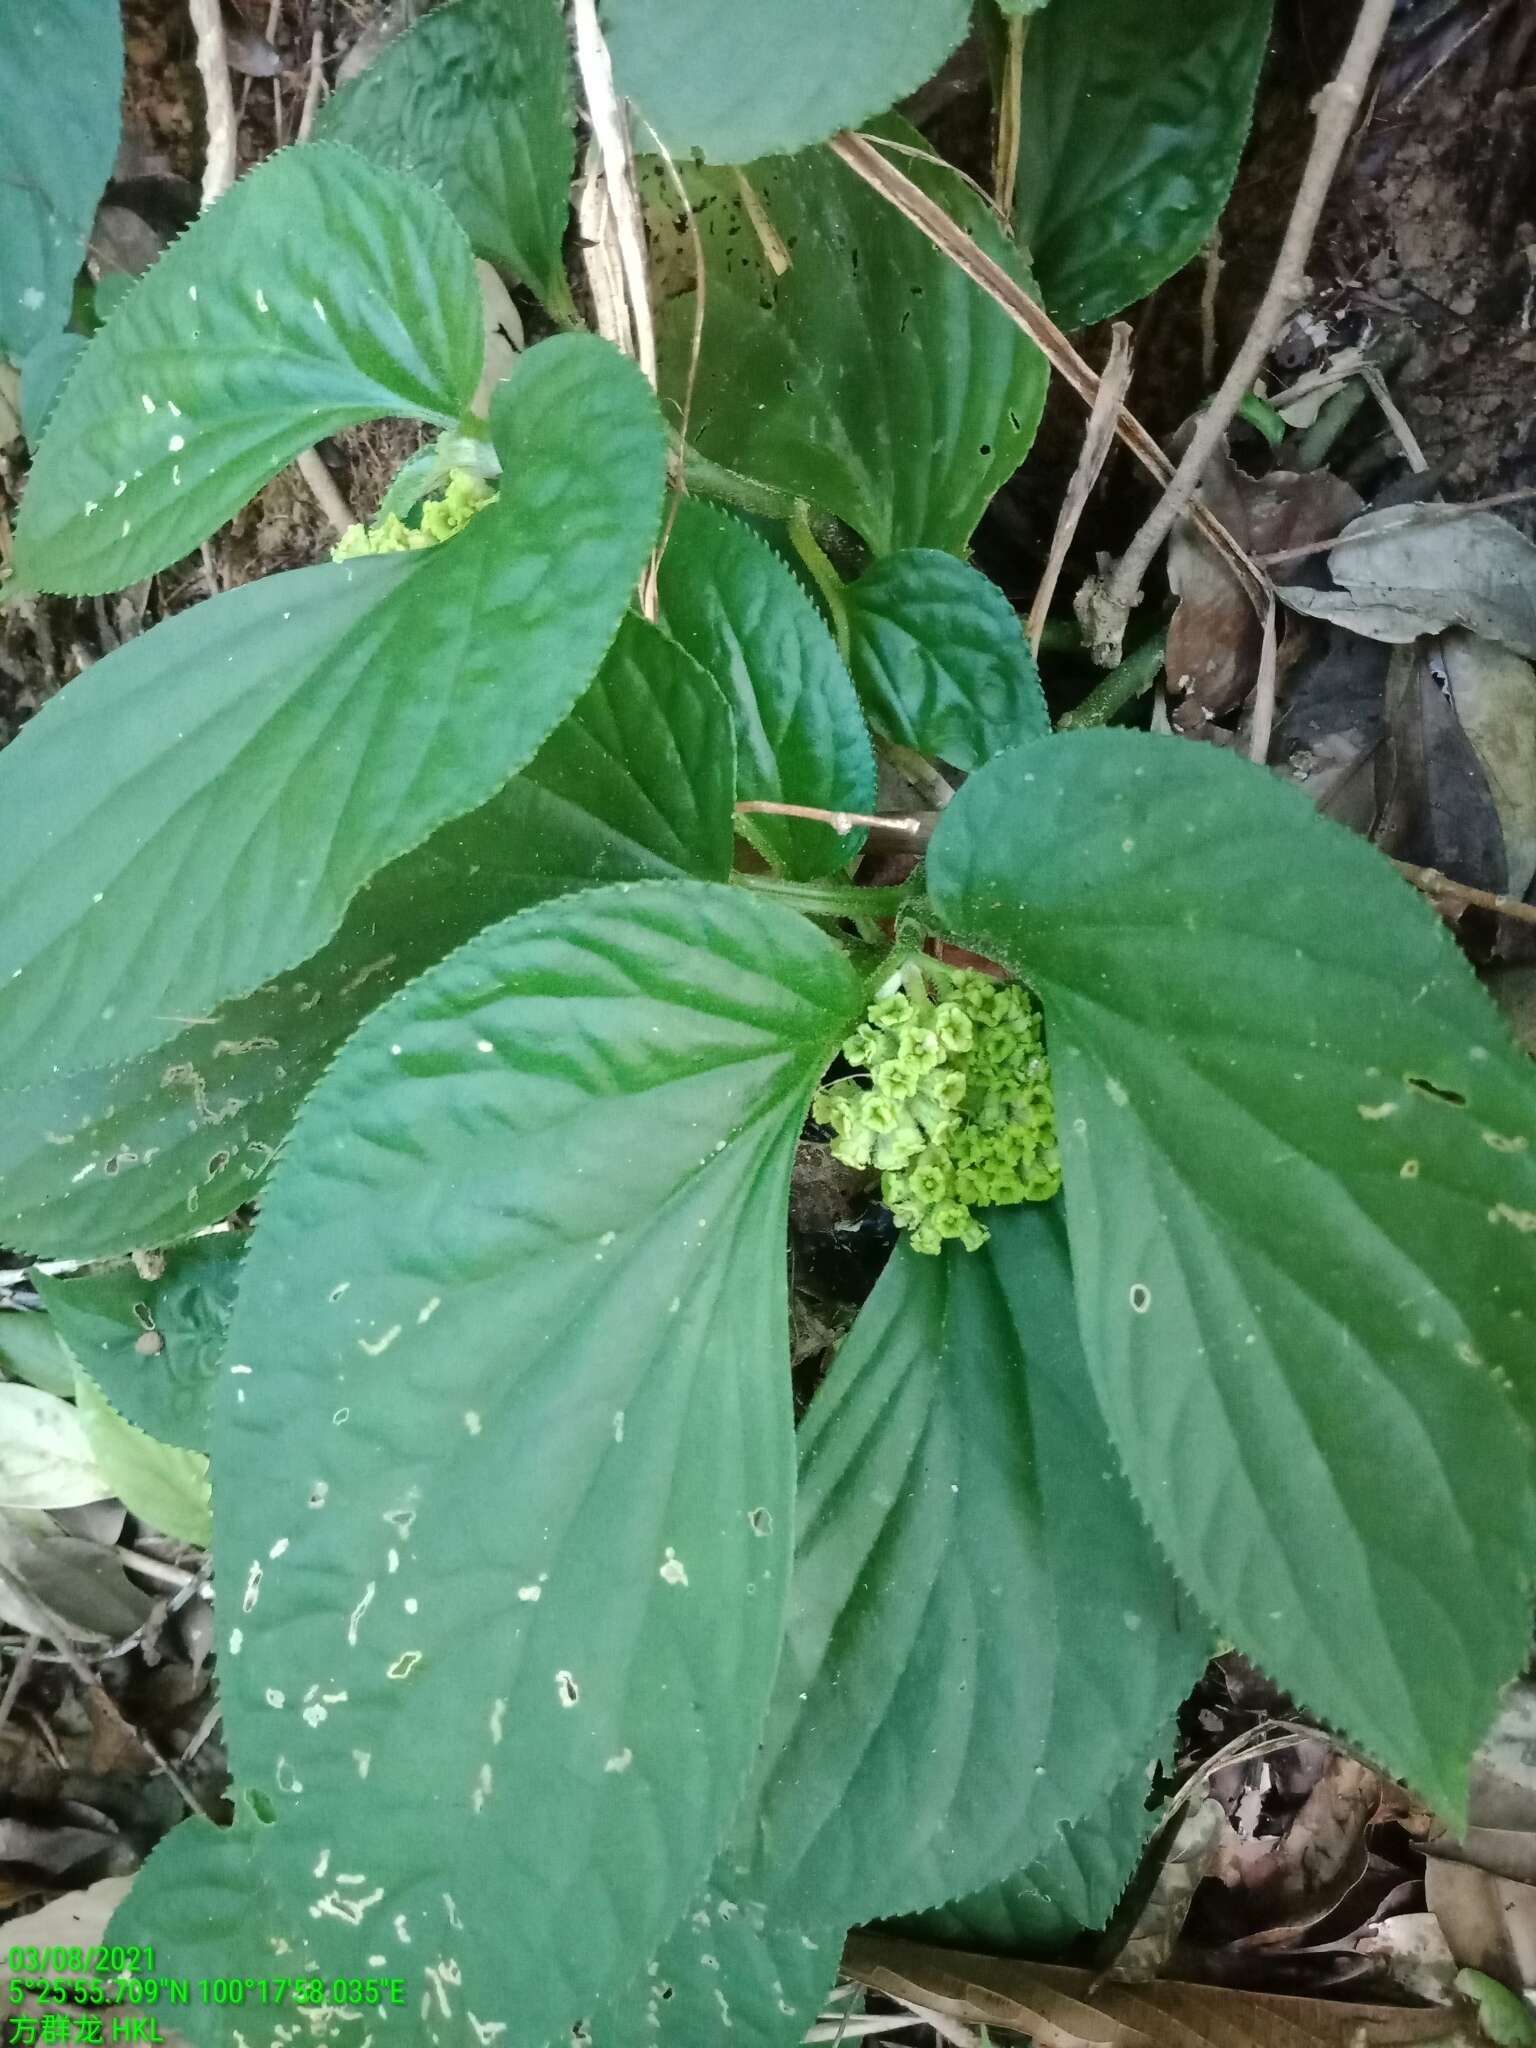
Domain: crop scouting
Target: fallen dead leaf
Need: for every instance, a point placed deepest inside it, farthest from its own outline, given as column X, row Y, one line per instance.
column 1064, row 2008
column 1433, row 804
column 1402, row 574
column 1195, row 1845
column 1489, row 1923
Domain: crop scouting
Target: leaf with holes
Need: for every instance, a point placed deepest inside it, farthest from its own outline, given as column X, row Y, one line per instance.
column 636, row 782
column 321, row 291
column 729, row 1968
column 940, row 659
column 475, row 101
column 1300, row 1187
column 800, row 735
column 1072, row 1888
column 206, row 1897
column 1132, row 122
column 734, row 80
column 272, row 749
column 979, row 1633
column 845, row 360
column 152, row 1346
column 61, row 74
column 513, row 1471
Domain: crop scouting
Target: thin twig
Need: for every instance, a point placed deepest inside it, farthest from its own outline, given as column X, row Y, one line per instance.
column 1097, row 442
column 1437, row 886
column 325, row 490
column 312, row 86
column 1336, row 108
column 25, row 1657
column 1210, row 286
column 840, row 822
column 939, row 163
column 1136, row 674
column 223, row 156
column 1265, row 684
column 915, row 768
column 1415, row 516
column 1005, row 159
column 611, row 134
column 931, row 220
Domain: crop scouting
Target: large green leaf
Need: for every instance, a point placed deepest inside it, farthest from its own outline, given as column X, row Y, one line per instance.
column 636, row 782
column 512, row 1479
column 105, row 1318
column 800, row 735
column 940, row 660
column 728, row 1971
column 980, row 1633
column 1299, row 1176
column 1071, row 1889
column 871, row 378
column 1132, row 123
column 733, row 79
column 208, row 1904
column 225, row 784
column 61, row 75
column 475, row 101
column 321, row 291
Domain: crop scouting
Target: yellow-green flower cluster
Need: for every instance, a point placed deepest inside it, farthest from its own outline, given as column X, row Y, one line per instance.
column 441, row 519
column 954, row 1108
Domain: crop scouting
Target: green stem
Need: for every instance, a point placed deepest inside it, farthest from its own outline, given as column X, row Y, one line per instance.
column 822, row 574
column 827, row 899
column 714, row 480
column 1122, row 686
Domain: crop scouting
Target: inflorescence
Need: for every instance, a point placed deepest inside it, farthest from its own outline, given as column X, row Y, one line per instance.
column 441, row 519
column 954, row 1106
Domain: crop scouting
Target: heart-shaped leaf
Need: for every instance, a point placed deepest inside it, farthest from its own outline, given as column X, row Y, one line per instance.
column 61, row 77
column 475, row 101
column 734, row 80
column 866, row 375
column 1299, row 1181
column 513, row 1472
column 940, row 659
column 980, row 1633
column 225, row 784
column 321, row 291
column 1132, row 122
column 636, row 782
column 800, row 735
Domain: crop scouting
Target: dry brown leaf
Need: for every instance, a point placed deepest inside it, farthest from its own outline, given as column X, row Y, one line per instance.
column 1489, row 1923
column 1296, row 1877
column 1062, row 2008
column 1215, row 638
column 1197, row 1841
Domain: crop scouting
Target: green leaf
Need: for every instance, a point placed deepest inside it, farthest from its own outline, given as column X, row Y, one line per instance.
column 475, row 101
column 636, row 782
column 728, row 1971
column 1073, row 1888
column 940, row 659
column 513, row 1474
column 980, row 1633
column 226, row 783
column 321, row 291
column 164, row 1486
column 61, row 76
column 871, row 379
column 800, row 735
column 1298, row 1173
column 1132, row 122
column 734, row 80
column 206, row 1900
column 104, row 1317
column 43, row 376
column 32, row 1350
